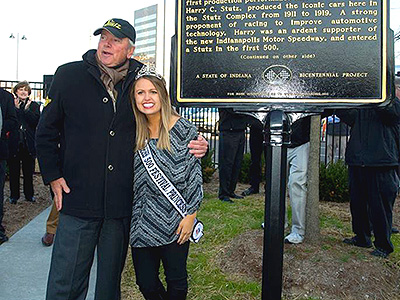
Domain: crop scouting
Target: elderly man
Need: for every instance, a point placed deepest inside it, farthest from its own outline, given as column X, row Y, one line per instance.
column 85, row 142
column 8, row 121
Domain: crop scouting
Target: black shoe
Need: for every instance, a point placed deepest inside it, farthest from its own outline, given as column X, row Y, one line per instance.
column 249, row 191
column 355, row 242
column 31, row 199
column 13, row 200
column 226, row 199
column 48, row 239
column 234, row 196
column 378, row 252
column 3, row 239
column 395, row 230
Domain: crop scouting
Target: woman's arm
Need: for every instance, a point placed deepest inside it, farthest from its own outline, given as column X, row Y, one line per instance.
column 193, row 193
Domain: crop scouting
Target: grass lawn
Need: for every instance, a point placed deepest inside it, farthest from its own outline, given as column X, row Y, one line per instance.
column 225, row 223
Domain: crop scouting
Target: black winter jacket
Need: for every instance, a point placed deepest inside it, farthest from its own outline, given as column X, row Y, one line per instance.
column 27, row 122
column 9, row 121
column 81, row 138
column 231, row 121
column 374, row 135
column 300, row 132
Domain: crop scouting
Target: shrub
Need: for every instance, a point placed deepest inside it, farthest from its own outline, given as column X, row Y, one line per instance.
column 207, row 166
column 333, row 182
column 244, row 174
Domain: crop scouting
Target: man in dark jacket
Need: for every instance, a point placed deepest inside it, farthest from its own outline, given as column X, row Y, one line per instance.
column 372, row 155
column 22, row 143
column 85, row 141
column 9, row 122
column 232, row 127
column 256, row 149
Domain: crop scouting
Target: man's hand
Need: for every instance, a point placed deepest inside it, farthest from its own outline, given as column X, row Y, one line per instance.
column 198, row 147
column 185, row 228
column 59, row 186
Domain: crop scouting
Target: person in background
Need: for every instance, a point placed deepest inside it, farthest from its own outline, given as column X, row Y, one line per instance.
column 158, row 231
column 22, row 143
column 397, row 86
column 297, row 159
column 51, row 224
column 256, row 150
column 395, row 230
column 372, row 156
column 85, row 143
column 232, row 128
column 336, row 139
column 8, row 122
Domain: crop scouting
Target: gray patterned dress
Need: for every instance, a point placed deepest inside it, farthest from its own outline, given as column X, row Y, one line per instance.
column 154, row 219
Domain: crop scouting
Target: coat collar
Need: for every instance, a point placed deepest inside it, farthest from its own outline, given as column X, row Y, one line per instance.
column 134, row 67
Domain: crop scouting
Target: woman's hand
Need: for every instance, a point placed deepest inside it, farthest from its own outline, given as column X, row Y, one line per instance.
column 185, row 228
column 17, row 102
column 28, row 103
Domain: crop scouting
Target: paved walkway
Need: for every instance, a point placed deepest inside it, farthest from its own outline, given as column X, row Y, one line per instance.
column 25, row 262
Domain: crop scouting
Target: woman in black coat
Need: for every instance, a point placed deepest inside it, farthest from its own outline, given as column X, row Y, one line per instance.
column 22, row 143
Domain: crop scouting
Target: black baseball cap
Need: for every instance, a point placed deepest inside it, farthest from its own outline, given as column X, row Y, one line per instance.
column 118, row 28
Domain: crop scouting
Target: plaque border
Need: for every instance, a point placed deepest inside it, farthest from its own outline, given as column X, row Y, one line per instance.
column 281, row 101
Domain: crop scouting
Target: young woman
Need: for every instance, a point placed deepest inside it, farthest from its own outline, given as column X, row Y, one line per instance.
column 158, row 231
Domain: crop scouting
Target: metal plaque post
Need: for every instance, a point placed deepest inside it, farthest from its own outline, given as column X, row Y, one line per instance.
column 276, row 137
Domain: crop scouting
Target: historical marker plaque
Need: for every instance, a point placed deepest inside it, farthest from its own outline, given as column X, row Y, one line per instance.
column 282, row 51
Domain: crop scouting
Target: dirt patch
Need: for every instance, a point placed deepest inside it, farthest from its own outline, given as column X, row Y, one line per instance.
column 327, row 270
column 18, row 215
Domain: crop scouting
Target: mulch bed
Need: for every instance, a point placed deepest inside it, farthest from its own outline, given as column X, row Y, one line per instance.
column 18, row 215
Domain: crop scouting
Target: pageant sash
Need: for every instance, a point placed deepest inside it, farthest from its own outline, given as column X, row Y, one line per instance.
column 169, row 190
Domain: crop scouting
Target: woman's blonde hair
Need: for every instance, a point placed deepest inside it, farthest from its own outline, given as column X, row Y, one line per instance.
column 142, row 126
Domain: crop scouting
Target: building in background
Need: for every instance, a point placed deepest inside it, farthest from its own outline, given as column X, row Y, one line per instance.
column 146, row 35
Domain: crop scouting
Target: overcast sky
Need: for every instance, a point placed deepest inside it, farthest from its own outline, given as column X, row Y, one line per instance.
column 61, row 31
column 57, row 32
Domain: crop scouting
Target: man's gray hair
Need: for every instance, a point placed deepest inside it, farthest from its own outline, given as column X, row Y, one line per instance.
column 132, row 44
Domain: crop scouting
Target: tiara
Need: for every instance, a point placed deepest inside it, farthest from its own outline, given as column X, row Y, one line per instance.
column 146, row 70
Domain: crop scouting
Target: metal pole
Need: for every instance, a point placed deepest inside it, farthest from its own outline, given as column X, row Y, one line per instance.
column 276, row 137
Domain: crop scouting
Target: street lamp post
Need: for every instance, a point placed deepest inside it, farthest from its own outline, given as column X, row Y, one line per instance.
column 12, row 36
